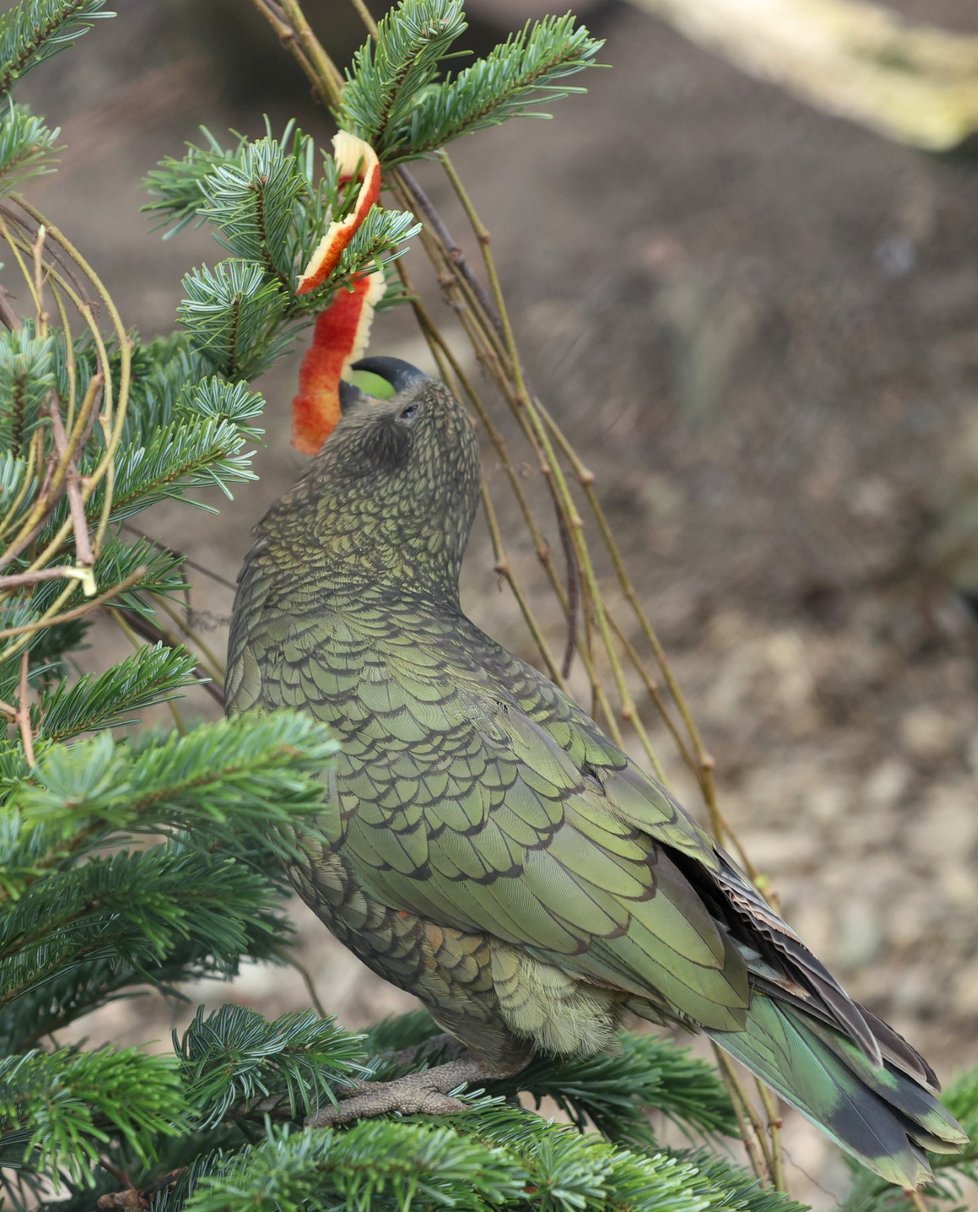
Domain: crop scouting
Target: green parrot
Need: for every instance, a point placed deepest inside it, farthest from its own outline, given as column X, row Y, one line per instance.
column 483, row 845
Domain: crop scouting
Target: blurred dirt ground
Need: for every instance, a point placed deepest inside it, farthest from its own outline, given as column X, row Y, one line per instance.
column 760, row 326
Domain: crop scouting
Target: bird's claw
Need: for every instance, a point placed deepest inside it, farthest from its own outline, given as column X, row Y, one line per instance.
column 424, row 1093
column 382, row 1098
column 423, row 1102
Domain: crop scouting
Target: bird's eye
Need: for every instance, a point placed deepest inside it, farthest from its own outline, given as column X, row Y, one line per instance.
column 409, row 412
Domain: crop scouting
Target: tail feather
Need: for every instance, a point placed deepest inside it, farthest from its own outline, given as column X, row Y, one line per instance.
column 882, row 1116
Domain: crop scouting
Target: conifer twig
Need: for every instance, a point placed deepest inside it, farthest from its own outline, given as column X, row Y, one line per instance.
column 21, row 714
column 79, row 612
column 460, row 266
column 364, row 14
column 14, row 580
column 83, row 542
column 752, row 1127
column 8, row 317
column 322, row 69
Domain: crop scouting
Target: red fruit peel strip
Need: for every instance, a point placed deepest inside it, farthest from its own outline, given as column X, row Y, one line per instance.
column 339, row 338
column 354, row 158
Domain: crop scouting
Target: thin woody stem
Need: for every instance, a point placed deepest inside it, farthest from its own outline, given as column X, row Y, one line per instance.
column 550, row 464
column 24, row 709
column 155, row 633
column 114, row 405
column 770, row 1102
column 51, row 616
column 8, row 317
column 209, row 659
column 452, row 256
column 505, row 570
column 272, row 12
column 83, row 541
column 453, row 250
column 365, row 17
column 751, row 1125
column 15, row 580
column 699, row 760
column 324, row 71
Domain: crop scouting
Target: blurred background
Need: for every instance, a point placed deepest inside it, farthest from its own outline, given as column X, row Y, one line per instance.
column 758, row 321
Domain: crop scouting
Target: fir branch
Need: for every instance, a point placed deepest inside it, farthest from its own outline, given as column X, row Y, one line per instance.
column 516, row 75
column 163, row 370
column 34, row 30
column 27, row 378
column 150, row 570
column 614, row 1090
column 88, row 982
column 231, row 783
column 401, row 1031
column 190, row 452
column 26, row 145
column 728, row 1187
column 67, row 1103
column 216, row 397
column 136, row 908
column 232, row 313
column 379, row 241
column 32, row 623
column 236, row 1061
column 254, row 201
column 177, row 184
column 148, row 676
column 209, row 177
column 375, row 1165
column 132, row 574
column 570, row 1170
column 388, row 75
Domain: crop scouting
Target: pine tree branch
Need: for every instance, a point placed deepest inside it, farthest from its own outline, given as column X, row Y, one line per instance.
column 33, row 30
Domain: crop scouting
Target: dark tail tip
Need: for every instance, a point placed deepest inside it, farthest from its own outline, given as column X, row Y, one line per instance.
column 398, row 373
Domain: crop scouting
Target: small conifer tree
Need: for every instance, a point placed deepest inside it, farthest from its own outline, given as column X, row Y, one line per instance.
column 133, row 861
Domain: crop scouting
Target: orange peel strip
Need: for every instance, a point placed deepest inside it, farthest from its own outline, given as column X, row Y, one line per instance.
column 354, row 158
column 339, row 338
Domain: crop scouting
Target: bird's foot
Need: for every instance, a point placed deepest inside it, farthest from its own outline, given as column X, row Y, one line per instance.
column 424, row 1093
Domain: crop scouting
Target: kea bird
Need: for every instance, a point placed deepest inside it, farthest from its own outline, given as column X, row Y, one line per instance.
column 485, row 846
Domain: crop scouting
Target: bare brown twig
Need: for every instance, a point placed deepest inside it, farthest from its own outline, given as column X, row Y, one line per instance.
column 8, row 317
column 83, row 541
column 79, row 612
column 21, row 714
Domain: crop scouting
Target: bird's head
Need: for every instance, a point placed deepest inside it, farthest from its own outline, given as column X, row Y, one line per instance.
column 395, row 486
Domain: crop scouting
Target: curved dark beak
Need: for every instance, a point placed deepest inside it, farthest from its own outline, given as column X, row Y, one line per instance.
column 398, row 373
column 350, row 394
